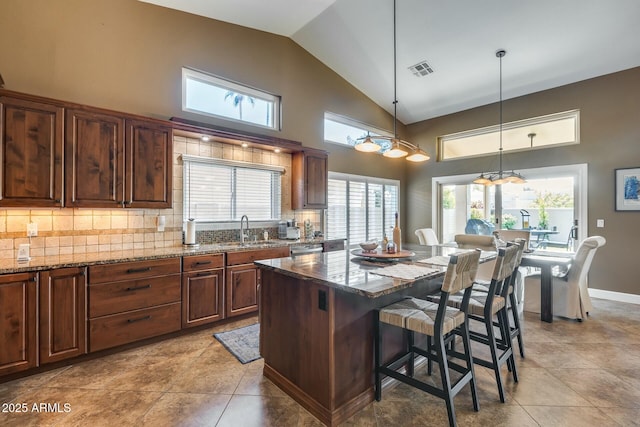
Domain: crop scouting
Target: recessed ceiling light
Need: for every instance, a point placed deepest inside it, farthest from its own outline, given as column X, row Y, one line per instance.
column 277, row 150
column 204, row 138
column 244, row 145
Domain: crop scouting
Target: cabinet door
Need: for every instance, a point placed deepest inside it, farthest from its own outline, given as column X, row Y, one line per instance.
column 309, row 180
column 149, row 159
column 31, row 138
column 242, row 289
column 94, row 155
column 63, row 308
column 202, row 297
column 18, row 304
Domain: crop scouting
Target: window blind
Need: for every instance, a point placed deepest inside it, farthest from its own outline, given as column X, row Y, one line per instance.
column 361, row 208
column 224, row 190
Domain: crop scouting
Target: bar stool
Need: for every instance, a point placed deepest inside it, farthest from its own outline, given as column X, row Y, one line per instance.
column 482, row 307
column 515, row 331
column 437, row 321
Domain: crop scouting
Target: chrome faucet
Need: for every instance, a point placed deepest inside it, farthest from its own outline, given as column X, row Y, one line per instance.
column 242, row 231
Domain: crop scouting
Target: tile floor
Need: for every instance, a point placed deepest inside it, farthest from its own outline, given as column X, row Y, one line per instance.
column 574, row 374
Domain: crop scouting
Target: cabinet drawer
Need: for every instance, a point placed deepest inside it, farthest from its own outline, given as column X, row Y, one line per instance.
column 133, row 270
column 123, row 328
column 111, row 298
column 202, row 262
column 248, row 257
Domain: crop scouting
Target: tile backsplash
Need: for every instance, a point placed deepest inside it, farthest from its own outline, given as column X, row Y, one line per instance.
column 67, row 231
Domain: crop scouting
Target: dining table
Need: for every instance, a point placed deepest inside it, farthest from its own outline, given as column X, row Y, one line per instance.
column 546, row 261
column 541, row 236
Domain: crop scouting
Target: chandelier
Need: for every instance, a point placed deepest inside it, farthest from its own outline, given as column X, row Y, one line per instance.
column 500, row 177
column 398, row 148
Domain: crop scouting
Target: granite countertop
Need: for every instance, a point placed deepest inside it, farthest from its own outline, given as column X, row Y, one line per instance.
column 346, row 272
column 94, row 258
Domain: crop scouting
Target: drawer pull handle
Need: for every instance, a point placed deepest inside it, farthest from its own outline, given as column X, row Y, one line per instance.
column 137, row 288
column 203, row 263
column 139, row 319
column 138, row 270
column 203, row 274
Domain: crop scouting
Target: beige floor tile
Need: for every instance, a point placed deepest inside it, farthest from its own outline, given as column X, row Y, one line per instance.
column 537, row 386
column 549, row 416
column 600, row 387
column 186, row 409
column 260, row 411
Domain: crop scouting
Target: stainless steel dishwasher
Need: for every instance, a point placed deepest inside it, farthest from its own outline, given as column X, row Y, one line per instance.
column 311, row 248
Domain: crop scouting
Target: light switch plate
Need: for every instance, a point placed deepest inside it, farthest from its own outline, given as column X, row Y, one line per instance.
column 600, row 223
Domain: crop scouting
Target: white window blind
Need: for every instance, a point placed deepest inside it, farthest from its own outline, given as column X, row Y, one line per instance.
column 219, row 190
column 361, row 208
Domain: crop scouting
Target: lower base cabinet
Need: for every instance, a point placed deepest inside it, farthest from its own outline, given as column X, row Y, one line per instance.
column 18, row 328
column 243, row 279
column 131, row 301
column 63, row 314
column 202, row 290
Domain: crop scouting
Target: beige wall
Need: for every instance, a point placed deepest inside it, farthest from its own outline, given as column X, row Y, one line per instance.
column 127, row 56
column 609, row 139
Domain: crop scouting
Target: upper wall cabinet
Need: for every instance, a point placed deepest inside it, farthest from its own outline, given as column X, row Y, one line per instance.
column 31, row 153
column 55, row 153
column 148, row 160
column 94, row 159
column 113, row 161
column 309, row 179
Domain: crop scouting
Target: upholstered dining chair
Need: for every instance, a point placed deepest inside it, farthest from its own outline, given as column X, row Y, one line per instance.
column 426, row 236
column 484, row 243
column 570, row 291
column 440, row 323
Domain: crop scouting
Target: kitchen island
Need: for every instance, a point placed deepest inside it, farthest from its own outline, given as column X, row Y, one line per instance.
column 316, row 326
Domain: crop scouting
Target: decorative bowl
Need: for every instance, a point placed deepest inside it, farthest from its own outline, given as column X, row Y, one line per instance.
column 369, row 246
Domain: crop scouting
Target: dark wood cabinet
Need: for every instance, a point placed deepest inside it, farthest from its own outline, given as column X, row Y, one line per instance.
column 63, row 314
column 148, row 160
column 94, row 154
column 18, row 328
column 131, row 301
column 243, row 282
column 55, row 153
column 243, row 279
column 113, row 161
column 309, row 179
column 202, row 289
column 31, row 134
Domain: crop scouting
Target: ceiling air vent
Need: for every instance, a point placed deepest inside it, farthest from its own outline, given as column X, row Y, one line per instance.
column 421, row 69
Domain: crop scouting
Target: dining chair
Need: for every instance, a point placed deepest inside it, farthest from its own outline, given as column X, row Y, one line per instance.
column 438, row 321
column 427, row 236
column 570, row 289
column 483, row 307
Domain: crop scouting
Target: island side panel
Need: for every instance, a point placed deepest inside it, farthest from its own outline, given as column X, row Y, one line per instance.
column 295, row 333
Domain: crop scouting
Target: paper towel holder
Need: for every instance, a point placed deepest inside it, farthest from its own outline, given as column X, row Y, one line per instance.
column 190, row 234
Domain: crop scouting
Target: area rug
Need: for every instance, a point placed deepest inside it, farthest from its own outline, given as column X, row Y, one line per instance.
column 243, row 343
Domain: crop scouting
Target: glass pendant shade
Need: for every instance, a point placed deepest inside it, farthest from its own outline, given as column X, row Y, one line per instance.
column 482, row 180
column 418, row 155
column 396, row 151
column 367, row 146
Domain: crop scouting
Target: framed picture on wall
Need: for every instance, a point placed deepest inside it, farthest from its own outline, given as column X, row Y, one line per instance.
column 628, row 189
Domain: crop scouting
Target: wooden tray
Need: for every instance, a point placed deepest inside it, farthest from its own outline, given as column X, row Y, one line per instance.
column 379, row 254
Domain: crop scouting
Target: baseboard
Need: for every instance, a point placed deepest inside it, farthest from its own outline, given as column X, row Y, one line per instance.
column 614, row 296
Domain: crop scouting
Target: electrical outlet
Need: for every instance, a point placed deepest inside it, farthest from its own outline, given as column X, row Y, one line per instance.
column 32, row 229
column 600, row 223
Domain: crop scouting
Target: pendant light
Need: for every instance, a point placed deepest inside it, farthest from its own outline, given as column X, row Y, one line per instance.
column 399, row 148
column 500, row 177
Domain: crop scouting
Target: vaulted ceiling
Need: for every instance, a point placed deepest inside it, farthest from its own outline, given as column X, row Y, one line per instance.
column 549, row 43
